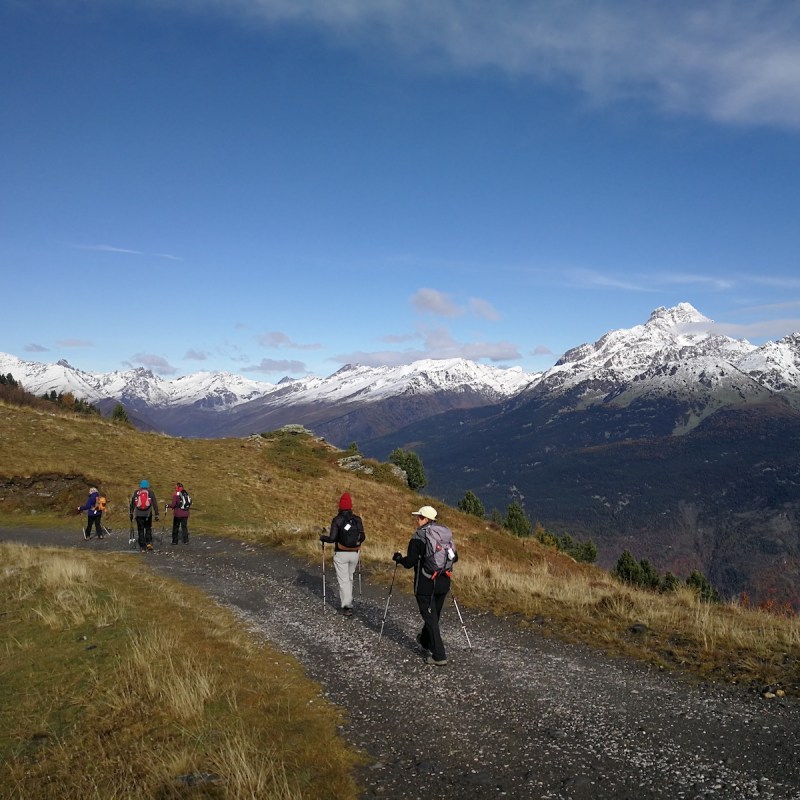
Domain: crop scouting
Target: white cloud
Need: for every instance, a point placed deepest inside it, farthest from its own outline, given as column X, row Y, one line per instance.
column 731, row 61
column 438, row 344
column 35, row 348
column 279, row 339
column 270, row 365
column 431, row 301
column 74, row 343
column 157, row 364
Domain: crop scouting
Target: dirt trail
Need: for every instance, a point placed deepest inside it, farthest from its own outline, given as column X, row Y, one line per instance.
column 514, row 716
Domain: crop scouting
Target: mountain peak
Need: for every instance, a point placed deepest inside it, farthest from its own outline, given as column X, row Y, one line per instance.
column 681, row 314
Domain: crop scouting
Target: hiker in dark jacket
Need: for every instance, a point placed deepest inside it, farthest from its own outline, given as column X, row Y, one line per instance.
column 143, row 503
column 346, row 535
column 180, row 515
column 430, row 591
column 94, row 516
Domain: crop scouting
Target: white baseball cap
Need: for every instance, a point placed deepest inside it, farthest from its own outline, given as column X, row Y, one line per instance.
column 426, row 511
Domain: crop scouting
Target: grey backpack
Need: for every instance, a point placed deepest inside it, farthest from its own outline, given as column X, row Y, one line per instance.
column 440, row 550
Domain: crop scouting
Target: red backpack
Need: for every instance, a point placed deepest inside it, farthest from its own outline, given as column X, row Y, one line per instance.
column 143, row 500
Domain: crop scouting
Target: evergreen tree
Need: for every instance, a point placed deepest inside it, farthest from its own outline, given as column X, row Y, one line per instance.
column 703, row 587
column 516, row 520
column 650, row 577
column 470, row 504
column 628, row 569
column 411, row 464
column 119, row 414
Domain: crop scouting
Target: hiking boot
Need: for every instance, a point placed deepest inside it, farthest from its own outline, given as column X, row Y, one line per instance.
column 149, row 547
column 422, row 646
column 87, row 536
column 347, row 611
column 436, row 662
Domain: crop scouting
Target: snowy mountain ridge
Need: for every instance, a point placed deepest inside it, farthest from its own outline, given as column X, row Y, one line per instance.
column 224, row 390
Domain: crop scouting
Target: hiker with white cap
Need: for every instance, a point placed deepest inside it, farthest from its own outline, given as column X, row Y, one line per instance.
column 432, row 553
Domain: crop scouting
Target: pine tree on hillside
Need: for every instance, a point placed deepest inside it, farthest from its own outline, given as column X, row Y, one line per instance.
column 411, row 464
column 517, row 521
column 470, row 504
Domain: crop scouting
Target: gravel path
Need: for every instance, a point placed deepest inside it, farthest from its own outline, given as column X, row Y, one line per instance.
column 514, row 716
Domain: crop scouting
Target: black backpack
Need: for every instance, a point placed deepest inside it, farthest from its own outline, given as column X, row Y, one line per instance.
column 351, row 533
column 184, row 501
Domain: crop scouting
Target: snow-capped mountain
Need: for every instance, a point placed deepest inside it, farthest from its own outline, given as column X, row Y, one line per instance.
column 668, row 439
column 674, row 352
column 221, row 403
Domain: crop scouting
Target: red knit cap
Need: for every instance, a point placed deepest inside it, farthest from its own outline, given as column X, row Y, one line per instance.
column 345, row 502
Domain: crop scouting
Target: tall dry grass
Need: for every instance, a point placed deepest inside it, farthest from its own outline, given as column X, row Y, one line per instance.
column 168, row 696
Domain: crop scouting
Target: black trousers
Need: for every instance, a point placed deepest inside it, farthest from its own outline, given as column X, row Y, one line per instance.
column 180, row 528
column 430, row 606
column 144, row 527
column 95, row 520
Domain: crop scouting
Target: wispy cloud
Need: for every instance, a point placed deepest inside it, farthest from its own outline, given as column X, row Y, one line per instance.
column 157, row 364
column 279, row 339
column 106, row 248
column 755, row 331
column 74, row 343
column 731, row 61
column 438, row 343
column 35, row 348
column 431, row 301
column 195, row 355
column 442, row 304
column 271, row 365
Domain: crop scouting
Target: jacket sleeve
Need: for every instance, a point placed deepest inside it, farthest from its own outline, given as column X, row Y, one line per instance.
column 334, row 533
column 413, row 553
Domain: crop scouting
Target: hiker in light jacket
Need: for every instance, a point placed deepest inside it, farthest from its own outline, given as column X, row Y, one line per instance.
column 180, row 515
column 143, row 504
column 94, row 516
column 346, row 535
column 429, row 592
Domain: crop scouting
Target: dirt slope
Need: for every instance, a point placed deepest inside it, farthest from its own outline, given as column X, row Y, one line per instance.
column 514, row 716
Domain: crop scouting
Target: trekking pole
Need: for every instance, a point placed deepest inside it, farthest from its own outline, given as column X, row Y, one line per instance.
column 359, row 574
column 463, row 626
column 323, row 577
column 386, row 610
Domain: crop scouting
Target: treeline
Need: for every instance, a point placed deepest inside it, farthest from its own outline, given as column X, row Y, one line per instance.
column 517, row 522
column 12, row 391
column 644, row 575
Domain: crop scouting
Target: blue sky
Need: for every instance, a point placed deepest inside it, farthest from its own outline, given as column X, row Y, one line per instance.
column 275, row 187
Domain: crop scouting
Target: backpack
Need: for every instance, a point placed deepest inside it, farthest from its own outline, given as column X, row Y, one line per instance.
column 143, row 500
column 184, row 501
column 100, row 504
column 440, row 550
column 350, row 535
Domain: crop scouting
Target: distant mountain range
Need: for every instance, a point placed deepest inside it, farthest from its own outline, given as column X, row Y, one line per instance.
column 354, row 403
column 667, row 439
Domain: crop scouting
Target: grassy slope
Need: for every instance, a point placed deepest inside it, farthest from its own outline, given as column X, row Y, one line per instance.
column 116, row 683
column 283, row 488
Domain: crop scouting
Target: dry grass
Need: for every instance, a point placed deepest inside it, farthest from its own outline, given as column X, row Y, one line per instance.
column 115, row 683
column 283, row 489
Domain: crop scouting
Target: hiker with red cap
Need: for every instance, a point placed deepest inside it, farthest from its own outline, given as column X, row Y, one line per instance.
column 346, row 536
